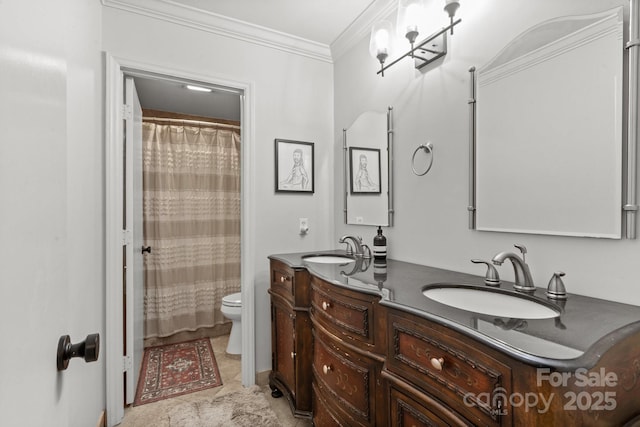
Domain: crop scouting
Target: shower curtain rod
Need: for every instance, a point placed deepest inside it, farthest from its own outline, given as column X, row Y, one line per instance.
column 195, row 122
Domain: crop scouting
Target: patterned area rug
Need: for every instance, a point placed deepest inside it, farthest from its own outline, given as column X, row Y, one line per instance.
column 176, row 369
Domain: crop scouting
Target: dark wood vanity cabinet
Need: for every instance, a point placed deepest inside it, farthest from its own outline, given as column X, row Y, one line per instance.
column 291, row 337
column 347, row 357
column 438, row 376
column 344, row 359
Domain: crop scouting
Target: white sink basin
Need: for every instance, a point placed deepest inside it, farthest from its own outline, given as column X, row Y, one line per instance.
column 328, row 259
column 491, row 301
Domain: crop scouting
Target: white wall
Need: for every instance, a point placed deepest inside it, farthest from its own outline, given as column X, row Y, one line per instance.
column 51, row 220
column 431, row 221
column 293, row 100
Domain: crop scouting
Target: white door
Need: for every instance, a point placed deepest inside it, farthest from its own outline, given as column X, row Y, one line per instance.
column 50, row 246
column 34, row 305
column 134, row 289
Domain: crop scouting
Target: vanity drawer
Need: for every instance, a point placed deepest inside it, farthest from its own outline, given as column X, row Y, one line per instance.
column 282, row 280
column 348, row 315
column 409, row 410
column 346, row 379
column 459, row 373
column 291, row 284
column 322, row 414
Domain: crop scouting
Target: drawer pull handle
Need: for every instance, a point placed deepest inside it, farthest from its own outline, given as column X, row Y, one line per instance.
column 325, row 305
column 293, row 354
column 283, row 279
column 326, row 369
column 437, row 364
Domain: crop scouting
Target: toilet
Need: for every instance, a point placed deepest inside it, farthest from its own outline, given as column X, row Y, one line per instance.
column 232, row 309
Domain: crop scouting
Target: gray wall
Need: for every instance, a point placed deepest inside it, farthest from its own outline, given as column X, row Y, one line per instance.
column 431, row 222
column 293, row 99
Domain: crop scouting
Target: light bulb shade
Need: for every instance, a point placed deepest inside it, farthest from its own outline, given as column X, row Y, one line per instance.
column 451, row 7
column 380, row 43
column 411, row 16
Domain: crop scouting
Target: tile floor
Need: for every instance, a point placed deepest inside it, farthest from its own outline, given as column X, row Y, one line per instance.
column 229, row 367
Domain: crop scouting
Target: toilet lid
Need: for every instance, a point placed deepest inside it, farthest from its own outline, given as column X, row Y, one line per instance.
column 232, row 300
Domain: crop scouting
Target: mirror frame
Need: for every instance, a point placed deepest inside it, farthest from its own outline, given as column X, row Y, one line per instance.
column 629, row 206
column 346, row 171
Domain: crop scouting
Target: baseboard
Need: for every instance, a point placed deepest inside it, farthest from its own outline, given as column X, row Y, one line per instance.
column 262, row 378
column 102, row 420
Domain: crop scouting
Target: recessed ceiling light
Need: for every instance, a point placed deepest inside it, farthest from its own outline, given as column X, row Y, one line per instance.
column 198, row 88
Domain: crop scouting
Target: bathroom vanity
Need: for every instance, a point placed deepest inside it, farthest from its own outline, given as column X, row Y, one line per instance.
column 355, row 345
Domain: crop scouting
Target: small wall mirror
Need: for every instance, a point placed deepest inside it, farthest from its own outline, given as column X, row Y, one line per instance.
column 368, row 158
column 549, row 130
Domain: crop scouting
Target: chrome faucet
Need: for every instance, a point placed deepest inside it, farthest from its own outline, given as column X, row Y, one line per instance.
column 523, row 279
column 358, row 246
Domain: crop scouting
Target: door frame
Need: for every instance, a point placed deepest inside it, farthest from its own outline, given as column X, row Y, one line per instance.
column 115, row 69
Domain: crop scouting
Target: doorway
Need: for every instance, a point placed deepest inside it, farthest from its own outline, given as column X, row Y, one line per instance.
column 117, row 69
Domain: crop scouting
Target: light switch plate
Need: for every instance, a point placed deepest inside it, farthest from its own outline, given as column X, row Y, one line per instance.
column 304, row 225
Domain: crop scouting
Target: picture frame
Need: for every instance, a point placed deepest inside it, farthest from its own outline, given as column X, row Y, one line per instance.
column 294, row 166
column 365, row 170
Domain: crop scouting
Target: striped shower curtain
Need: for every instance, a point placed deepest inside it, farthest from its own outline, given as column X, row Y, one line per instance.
column 191, row 193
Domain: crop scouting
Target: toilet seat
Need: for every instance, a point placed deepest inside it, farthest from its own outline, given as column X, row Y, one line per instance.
column 232, row 300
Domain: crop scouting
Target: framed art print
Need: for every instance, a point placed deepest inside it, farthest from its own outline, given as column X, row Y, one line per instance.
column 294, row 166
column 365, row 170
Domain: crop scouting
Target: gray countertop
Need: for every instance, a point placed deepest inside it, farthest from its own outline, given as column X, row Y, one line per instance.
column 586, row 328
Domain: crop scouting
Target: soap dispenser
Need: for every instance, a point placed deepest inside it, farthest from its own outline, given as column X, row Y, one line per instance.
column 379, row 246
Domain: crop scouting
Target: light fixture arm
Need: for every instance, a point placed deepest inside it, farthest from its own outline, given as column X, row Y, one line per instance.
column 420, row 46
column 451, row 8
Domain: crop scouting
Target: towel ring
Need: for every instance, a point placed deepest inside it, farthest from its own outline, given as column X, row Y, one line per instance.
column 428, row 148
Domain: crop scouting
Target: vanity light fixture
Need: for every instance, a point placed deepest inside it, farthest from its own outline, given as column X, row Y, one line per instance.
column 380, row 43
column 411, row 15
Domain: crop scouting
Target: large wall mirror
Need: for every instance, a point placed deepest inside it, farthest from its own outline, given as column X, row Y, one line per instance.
column 549, row 143
column 367, row 147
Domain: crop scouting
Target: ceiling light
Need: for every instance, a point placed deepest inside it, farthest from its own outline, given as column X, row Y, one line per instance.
column 198, row 88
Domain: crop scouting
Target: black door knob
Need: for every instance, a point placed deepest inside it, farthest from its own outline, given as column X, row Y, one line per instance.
column 89, row 350
column 146, row 249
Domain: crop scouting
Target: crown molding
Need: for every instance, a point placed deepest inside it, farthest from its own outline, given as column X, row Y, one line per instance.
column 199, row 19
column 361, row 26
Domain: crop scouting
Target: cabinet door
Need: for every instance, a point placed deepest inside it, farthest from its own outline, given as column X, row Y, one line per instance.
column 283, row 352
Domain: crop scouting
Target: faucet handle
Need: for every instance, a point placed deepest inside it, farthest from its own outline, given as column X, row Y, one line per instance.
column 556, row 289
column 522, row 249
column 491, row 278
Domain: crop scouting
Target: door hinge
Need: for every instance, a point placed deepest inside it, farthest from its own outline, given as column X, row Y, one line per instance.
column 127, row 112
column 127, row 364
column 127, row 237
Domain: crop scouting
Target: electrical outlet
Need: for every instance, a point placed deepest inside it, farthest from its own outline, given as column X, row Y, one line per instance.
column 304, row 225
